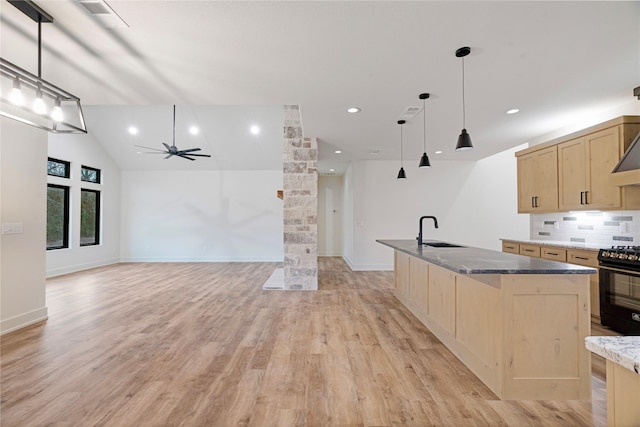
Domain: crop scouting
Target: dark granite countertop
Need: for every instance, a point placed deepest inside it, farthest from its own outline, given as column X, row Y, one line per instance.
column 469, row 260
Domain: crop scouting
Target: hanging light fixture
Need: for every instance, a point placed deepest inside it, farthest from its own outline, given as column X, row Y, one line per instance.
column 35, row 101
column 424, row 160
column 401, row 174
column 464, row 140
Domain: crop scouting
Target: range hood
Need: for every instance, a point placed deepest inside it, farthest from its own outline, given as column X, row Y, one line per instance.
column 627, row 171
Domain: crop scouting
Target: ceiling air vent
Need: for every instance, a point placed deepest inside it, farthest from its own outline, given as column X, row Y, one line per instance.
column 410, row 113
column 103, row 13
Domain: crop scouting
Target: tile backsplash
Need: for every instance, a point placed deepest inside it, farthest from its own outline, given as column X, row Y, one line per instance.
column 604, row 228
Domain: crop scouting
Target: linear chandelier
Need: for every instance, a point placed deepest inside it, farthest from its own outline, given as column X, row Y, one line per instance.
column 30, row 99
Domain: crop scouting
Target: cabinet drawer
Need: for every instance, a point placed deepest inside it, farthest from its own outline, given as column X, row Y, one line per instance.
column 511, row 247
column 530, row 250
column 555, row 254
column 586, row 258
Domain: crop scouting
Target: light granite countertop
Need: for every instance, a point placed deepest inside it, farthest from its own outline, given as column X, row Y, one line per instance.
column 470, row 260
column 559, row 243
column 625, row 351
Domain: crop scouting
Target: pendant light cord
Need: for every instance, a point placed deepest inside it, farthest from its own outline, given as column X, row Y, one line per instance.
column 424, row 122
column 39, row 48
column 463, row 103
column 401, row 154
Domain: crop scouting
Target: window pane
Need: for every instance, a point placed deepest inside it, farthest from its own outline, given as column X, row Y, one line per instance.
column 59, row 168
column 57, row 217
column 90, row 174
column 89, row 217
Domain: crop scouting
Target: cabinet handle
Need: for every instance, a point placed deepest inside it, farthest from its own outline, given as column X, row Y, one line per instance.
column 552, row 253
column 582, row 197
column 533, row 205
column 586, row 197
column 536, row 199
column 582, row 258
column 528, row 250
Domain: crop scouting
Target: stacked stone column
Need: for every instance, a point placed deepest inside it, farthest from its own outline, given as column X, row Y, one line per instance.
column 300, row 198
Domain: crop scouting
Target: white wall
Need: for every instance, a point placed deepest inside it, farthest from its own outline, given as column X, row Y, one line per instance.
column 201, row 216
column 330, row 215
column 23, row 197
column 475, row 203
column 348, row 226
column 85, row 150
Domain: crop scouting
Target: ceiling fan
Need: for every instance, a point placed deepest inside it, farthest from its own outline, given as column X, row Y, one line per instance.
column 172, row 150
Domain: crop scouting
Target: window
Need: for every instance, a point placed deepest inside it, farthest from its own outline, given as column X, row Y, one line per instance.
column 57, row 216
column 59, row 168
column 89, row 217
column 89, row 174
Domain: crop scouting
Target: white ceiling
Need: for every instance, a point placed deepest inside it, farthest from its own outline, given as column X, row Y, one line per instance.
column 558, row 62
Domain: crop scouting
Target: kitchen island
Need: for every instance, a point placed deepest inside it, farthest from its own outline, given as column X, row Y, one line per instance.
column 518, row 323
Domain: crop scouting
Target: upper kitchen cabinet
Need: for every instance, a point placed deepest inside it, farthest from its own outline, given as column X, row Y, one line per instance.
column 584, row 162
column 538, row 181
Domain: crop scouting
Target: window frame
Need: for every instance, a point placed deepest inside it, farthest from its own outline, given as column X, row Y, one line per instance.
column 89, row 168
column 65, row 213
column 97, row 219
column 67, row 164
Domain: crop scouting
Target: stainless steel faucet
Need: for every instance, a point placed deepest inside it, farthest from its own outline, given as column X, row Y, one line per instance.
column 435, row 222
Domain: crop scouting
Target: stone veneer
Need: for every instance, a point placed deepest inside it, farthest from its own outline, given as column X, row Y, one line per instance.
column 300, row 198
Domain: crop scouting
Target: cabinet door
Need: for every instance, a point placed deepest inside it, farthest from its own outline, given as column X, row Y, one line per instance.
column 418, row 284
column 603, row 153
column 546, row 196
column 442, row 298
column 589, row 259
column 530, row 250
column 553, row 253
column 527, row 170
column 511, row 247
column 572, row 174
column 401, row 274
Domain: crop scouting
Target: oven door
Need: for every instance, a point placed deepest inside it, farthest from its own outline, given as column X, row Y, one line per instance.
column 620, row 300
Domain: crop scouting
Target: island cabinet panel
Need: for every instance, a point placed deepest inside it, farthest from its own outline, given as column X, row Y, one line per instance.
column 478, row 328
column 589, row 259
column 545, row 338
column 442, row 298
column 401, row 263
column 623, row 392
column 418, row 284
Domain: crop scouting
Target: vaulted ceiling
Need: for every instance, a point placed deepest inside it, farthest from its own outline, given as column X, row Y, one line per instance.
column 558, row 62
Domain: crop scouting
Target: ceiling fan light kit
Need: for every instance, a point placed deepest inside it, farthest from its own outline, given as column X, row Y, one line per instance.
column 173, row 150
column 32, row 100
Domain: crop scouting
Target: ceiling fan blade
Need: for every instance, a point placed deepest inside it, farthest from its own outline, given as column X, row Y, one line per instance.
column 149, row 152
column 170, row 154
column 199, row 155
column 167, row 145
column 149, row 148
column 184, row 156
column 189, row 150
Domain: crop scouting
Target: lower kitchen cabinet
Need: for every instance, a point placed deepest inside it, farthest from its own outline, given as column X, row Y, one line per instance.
column 442, row 298
column 585, row 258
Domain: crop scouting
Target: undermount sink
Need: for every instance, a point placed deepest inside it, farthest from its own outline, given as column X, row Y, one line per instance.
column 442, row 245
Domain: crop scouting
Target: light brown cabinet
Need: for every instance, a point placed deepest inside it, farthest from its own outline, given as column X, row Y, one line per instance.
column 584, row 161
column 538, row 181
column 585, row 258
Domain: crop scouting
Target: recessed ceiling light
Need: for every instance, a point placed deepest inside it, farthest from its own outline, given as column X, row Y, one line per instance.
column 332, row 170
column 133, row 130
column 374, row 152
column 353, row 110
column 338, row 151
column 194, row 130
column 439, row 152
column 255, row 129
column 512, row 111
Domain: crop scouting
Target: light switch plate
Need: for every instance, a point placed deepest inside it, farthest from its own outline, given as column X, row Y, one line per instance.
column 12, row 228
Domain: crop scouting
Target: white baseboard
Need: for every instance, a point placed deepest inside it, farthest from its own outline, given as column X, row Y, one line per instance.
column 368, row 267
column 23, row 320
column 79, row 267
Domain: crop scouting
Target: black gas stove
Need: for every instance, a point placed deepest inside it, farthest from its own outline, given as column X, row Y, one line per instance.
column 620, row 288
column 624, row 257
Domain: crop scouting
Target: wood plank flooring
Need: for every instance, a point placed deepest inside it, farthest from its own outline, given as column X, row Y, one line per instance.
column 182, row 344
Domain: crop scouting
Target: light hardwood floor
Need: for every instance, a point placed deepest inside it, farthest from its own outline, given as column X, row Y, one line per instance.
column 203, row 345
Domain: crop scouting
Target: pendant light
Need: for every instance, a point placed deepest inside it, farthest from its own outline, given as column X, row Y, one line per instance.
column 401, row 174
column 464, row 140
column 424, row 160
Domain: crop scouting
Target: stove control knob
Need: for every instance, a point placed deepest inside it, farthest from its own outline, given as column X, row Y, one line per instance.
column 623, row 256
column 633, row 257
column 613, row 255
column 605, row 254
